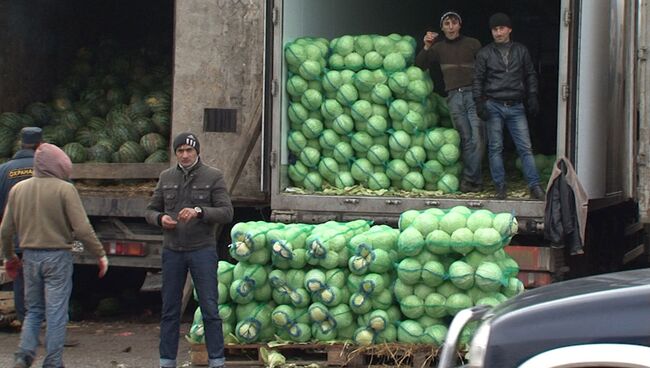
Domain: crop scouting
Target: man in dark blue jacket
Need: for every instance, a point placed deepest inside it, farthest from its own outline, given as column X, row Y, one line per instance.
column 19, row 168
column 505, row 88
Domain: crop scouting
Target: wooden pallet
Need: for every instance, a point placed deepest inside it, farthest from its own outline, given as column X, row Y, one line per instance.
column 326, row 355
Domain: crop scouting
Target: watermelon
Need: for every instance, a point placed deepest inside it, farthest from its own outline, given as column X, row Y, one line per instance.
column 99, row 153
column 76, row 151
column 160, row 156
column 86, row 136
column 153, row 142
column 158, row 101
column 131, row 151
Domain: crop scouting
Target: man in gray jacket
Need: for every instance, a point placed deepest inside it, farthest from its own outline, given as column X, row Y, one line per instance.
column 189, row 202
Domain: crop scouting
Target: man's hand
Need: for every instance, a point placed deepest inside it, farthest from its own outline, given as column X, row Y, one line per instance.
column 168, row 222
column 186, row 214
column 13, row 267
column 533, row 105
column 482, row 111
column 429, row 39
column 102, row 263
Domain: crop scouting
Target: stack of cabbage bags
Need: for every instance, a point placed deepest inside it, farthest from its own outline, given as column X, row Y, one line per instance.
column 361, row 114
column 354, row 281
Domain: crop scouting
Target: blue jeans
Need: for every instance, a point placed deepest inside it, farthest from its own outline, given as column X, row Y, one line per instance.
column 48, row 285
column 19, row 293
column 202, row 264
column 471, row 130
column 514, row 118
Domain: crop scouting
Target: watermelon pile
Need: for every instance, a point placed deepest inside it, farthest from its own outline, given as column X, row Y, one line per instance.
column 363, row 283
column 359, row 113
column 113, row 106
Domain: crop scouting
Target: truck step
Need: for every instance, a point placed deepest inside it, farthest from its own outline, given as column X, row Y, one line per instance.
column 326, row 355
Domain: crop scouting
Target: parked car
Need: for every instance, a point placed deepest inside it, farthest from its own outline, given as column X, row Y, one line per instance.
column 596, row 321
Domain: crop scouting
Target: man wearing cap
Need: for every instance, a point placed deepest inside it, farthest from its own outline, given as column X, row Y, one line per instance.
column 19, row 168
column 455, row 54
column 189, row 202
column 46, row 213
column 504, row 88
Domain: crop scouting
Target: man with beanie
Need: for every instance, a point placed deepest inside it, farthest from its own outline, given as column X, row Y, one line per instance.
column 189, row 202
column 455, row 54
column 46, row 213
column 504, row 88
column 19, row 168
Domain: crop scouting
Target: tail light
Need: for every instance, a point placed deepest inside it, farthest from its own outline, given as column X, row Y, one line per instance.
column 125, row 248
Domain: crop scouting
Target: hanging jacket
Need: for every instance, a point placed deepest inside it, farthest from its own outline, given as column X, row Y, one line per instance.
column 565, row 215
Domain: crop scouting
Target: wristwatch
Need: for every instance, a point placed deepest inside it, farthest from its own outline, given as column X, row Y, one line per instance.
column 199, row 211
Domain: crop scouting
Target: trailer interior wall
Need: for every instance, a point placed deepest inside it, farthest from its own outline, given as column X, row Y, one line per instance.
column 602, row 90
column 536, row 23
column 219, row 63
column 643, row 95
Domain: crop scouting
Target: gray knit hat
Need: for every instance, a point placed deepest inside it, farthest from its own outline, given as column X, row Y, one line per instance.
column 451, row 14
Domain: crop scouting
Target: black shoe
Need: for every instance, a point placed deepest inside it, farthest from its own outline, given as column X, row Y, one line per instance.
column 537, row 193
column 502, row 193
column 469, row 187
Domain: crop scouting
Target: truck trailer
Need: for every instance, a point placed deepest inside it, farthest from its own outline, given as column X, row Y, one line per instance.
column 228, row 86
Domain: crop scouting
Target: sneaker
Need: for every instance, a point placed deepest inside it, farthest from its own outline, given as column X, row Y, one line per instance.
column 502, row 193
column 537, row 193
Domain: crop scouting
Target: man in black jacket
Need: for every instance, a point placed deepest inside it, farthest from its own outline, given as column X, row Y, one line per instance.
column 505, row 79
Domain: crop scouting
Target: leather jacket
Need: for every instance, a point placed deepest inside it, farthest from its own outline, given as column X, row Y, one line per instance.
column 494, row 79
column 201, row 186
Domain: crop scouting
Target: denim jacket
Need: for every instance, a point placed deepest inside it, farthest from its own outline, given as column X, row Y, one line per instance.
column 201, row 186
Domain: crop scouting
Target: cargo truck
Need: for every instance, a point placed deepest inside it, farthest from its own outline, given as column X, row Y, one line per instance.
column 228, row 86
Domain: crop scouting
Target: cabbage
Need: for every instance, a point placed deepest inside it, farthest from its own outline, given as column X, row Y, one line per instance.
column 457, row 302
column 360, row 303
column 480, row 219
column 425, row 223
column 364, row 336
column 299, row 297
column 435, row 334
column 506, row 224
column 378, row 320
column 433, row 273
column 462, row 240
column 410, row 242
column 382, row 300
column 409, row 332
column 300, row 332
column 488, row 276
column 452, row 221
column 434, row 305
column 407, row 218
column 412, row 307
column 487, row 240
column 438, row 242
column 514, row 287
column 401, row 289
column 409, row 271
column 224, row 272
column 388, row 335
column 372, row 284
column 282, row 316
column 342, row 314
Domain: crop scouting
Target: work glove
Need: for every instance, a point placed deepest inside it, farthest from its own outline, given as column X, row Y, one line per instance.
column 13, row 267
column 533, row 105
column 102, row 263
column 481, row 110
